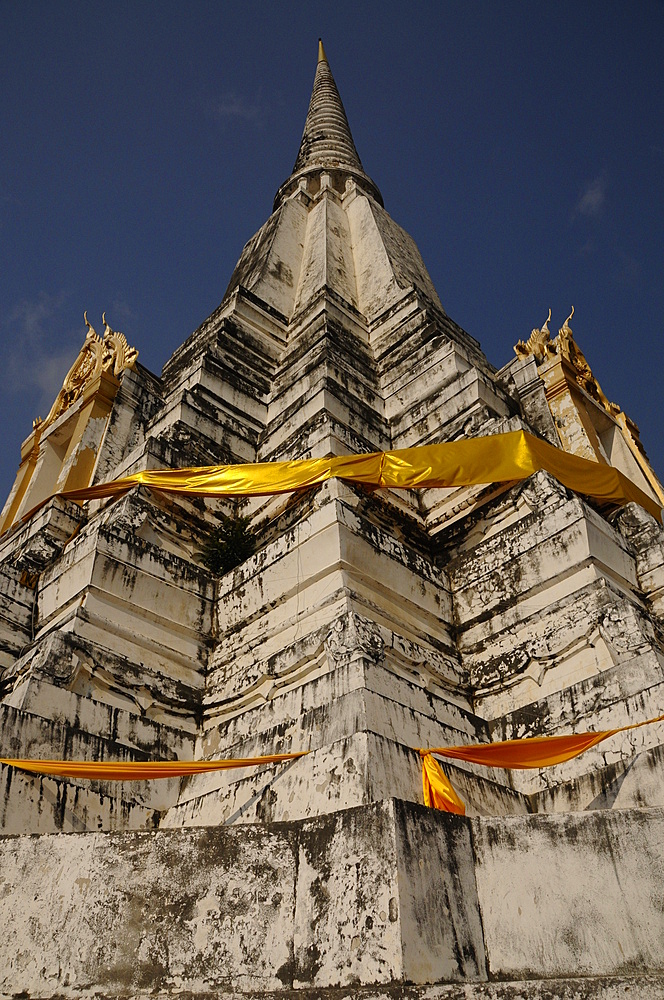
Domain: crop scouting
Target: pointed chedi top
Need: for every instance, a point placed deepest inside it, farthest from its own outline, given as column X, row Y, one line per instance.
column 327, row 143
column 329, row 232
column 326, row 140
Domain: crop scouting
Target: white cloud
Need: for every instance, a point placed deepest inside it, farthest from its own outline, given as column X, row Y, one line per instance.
column 120, row 313
column 237, row 107
column 591, row 200
column 36, row 352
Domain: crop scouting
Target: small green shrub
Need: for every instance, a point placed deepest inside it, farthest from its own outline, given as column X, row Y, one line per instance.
column 229, row 545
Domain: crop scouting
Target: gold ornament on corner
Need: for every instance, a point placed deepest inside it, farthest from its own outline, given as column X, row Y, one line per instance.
column 118, row 355
column 567, row 347
column 539, row 344
column 110, row 353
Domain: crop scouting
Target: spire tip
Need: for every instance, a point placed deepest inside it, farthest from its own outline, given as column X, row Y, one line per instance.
column 327, row 143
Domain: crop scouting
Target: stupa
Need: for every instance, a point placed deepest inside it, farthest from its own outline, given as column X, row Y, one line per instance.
column 357, row 623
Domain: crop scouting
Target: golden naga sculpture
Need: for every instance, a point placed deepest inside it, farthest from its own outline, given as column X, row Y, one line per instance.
column 110, row 353
column 568, row 348
column 539, row 344
column 118, row 355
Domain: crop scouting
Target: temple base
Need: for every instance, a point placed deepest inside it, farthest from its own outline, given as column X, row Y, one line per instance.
column 389, row 894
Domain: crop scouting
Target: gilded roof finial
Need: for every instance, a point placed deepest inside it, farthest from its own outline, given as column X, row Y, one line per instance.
column 566, row 329
column 538, row 344
column 568, row 348
column 321, row 52
column 91, row 330
column 111, row 354
column 118, row 355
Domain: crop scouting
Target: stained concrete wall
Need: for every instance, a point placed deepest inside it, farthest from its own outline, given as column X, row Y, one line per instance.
column 391, row 893
column 576, row 894
column 330, row 901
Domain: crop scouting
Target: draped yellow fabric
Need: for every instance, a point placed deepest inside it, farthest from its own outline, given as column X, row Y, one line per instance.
column 531, row 751
column 502, row 458
column 141, row 770
column 438, row 791
column 259, row 479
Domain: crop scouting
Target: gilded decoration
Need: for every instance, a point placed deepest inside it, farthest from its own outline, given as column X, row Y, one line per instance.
column 577, row 372
column 568, row 348
column 110, row 353
column 540, row 346
column 118, row 355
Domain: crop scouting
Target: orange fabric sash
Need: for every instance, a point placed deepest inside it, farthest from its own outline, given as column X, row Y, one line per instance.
column 531, row 751
column 438, row 790
column 141, row 770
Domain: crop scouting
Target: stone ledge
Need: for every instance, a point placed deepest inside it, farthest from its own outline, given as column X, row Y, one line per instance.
column 603, row 988
column 391, row 893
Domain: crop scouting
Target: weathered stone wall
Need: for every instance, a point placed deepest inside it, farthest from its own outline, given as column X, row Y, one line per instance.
column 349, row 634
column 47, row 804
column 603, row 988
column 391, row 893
column 138, row 616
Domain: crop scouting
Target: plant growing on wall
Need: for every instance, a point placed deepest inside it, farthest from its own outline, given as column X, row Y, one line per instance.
column 230, row 543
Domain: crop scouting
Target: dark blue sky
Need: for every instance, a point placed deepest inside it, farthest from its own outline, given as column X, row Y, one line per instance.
column 521, row 145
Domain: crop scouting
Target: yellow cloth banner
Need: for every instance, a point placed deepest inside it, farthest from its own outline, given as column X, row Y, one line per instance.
column 501, row 458
column 141, row 770
column 438, row 790
column 531, row 751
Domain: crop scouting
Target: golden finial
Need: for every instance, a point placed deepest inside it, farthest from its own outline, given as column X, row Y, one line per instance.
column 91, row 330
column 566, row 327
column 538, row 344
column 321, row 52
column 118, row 355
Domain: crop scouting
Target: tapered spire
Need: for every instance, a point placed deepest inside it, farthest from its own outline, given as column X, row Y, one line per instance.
column 326, row 140
column 327, row 143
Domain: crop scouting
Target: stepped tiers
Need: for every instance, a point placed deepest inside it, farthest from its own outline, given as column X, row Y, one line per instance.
column 358, row 624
